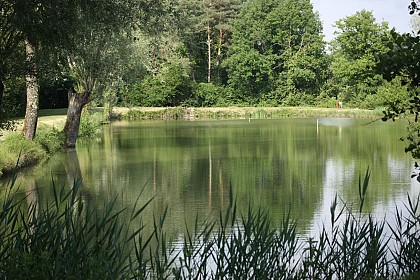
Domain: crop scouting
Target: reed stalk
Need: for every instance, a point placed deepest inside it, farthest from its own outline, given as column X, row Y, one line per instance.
column 69, row 238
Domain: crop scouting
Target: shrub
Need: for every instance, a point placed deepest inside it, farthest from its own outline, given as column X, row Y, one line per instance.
column 90, row 124
column 393, row 94
column 51, row 140
column 170, row 87
column 208, row 95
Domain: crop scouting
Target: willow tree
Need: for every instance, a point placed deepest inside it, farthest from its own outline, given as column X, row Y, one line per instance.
column 92, row 67
column 38, row 27
column 104, row 29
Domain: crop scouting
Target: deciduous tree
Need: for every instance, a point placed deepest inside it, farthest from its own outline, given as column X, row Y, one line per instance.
column 277, row 52
column 355, row 50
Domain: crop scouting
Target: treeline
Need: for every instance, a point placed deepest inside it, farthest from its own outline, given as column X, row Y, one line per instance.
column 191, row 53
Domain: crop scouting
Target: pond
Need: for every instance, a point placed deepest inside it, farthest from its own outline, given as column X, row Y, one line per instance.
column 294, row 166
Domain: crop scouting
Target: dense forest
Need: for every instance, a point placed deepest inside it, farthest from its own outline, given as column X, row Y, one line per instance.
column 196, row 53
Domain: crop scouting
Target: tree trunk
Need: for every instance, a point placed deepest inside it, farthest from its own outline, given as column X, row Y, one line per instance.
column 219, row 49
column 209, row 52
column 71, row 129
column 1, row 97
column 32, row 95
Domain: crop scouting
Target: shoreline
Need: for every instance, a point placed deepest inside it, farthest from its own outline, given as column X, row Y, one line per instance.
column 55, row 119
column 197, row 113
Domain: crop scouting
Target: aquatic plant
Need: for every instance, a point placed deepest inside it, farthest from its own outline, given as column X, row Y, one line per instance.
column 68, row 238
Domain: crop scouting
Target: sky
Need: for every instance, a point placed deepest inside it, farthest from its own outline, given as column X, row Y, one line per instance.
column 395, row 12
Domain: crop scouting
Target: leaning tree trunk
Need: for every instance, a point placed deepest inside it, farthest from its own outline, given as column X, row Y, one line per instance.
column 74, row 112
column 32, row 95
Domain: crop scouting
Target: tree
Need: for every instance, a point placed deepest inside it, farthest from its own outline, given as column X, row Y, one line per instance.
column 205, row 23
column 32, row 92
column 103, row 29
column 10, row 37
column 41, row 24
column 402, row 60
column 354, row 59
column 414, row 7
column 57, row 32
column 276, row 53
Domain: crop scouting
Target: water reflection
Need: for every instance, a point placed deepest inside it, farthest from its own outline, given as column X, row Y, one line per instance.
column 72, row 168
column 288, row 165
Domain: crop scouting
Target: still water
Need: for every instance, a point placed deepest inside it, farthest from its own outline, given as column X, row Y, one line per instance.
column 295, row 165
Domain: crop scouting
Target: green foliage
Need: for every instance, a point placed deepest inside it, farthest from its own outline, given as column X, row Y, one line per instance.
column 401, row 59
column 276, row 52
column 170, row 87
column 356, row 48
column 394, row 94
column 51, row 140
column 14, row 98
column 208, row 95
column 90, row 124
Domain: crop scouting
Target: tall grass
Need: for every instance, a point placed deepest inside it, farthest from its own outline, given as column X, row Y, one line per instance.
column 188, row 113
column 66, row 239
column 69, row 238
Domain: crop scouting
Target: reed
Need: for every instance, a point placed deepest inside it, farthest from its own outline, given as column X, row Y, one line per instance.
column 189, row 113
column 68, row 238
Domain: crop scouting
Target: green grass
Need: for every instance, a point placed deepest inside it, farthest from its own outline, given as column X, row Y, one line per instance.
column 70, row 238
column 52, row 112
column 176, row 113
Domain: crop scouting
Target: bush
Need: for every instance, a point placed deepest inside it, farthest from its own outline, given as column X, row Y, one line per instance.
column 208, row 95
column 90, row 124
column 51, row 140
column 393, row 94
column 170, row 87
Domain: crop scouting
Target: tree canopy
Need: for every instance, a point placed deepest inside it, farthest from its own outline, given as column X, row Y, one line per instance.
column 277, row 53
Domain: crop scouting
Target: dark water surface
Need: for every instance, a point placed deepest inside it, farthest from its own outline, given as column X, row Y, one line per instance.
column 295, row 165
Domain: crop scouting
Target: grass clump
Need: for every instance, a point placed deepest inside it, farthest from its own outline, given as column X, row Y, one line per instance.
column 90, row 123
column 50, row 139
column 16, row 146
column 190, row 113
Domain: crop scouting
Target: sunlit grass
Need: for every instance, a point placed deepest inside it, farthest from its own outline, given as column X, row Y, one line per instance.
column 175, row 113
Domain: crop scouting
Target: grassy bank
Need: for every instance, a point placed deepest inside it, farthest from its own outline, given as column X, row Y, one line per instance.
column 71, row 239
column 49, row 139
column 187, row 113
